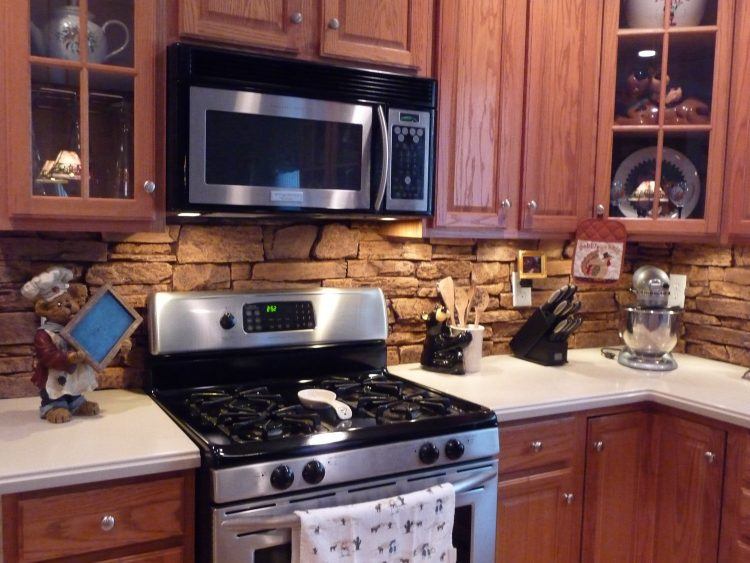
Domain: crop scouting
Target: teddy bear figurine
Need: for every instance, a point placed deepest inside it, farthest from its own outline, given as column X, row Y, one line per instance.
column 60, row 373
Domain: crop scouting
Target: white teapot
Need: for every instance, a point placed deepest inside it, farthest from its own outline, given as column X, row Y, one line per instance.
column 62, row 36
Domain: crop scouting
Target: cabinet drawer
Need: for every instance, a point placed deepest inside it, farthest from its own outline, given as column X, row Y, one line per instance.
column 165, row 556
column 87, row 519
column 537, row 444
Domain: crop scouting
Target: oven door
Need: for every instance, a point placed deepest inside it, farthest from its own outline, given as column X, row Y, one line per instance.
column 267, row 531
column 263, row 150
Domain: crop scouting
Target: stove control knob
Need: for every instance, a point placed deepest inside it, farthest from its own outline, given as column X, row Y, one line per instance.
column 227, row 321
column 454, row 449
column 429, row 453
column 282, row 477
column 314, row 472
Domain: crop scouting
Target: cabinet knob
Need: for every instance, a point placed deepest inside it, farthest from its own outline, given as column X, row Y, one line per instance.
column 598, row 446
column 108, row 522
column 334, row 23
column 600, row 210
column 296, row 17
column 710, row 457
column 506, row 204
column 568, row 498
column 536, row 446
column 532, row 205
column 149, row 186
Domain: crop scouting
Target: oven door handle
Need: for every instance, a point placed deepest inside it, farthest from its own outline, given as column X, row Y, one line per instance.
column 473, row 482
column 386, row 159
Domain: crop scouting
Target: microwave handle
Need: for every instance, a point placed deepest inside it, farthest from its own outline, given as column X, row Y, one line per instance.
column 386, row 159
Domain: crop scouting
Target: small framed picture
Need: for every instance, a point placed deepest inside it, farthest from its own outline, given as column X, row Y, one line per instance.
column 100, row 327
column 532, row 264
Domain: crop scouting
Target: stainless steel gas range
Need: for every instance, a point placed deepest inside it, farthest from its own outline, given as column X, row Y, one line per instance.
column 227, row 368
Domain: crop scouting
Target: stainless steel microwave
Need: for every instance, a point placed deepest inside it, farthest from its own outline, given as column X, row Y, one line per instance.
column 254, row 134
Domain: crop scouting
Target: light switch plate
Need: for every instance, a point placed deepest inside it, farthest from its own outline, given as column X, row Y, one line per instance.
column 677, row 285
column 521, row 295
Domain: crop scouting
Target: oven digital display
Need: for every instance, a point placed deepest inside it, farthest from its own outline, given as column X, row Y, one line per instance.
column 278, row 316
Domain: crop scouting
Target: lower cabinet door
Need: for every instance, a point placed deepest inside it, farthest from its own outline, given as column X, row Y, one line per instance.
column 539, row 518
column 616, row 513
column 690, row 473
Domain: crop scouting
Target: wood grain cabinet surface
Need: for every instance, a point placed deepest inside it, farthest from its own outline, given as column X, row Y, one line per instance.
column 68, row 104
column 134, row 520
column 389, row 33
column 735, row 520
column 519, row 87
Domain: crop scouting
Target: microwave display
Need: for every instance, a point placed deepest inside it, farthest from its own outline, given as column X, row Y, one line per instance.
column 245, row 149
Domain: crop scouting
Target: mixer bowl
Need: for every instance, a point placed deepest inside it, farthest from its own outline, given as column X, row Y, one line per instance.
column 650, row 332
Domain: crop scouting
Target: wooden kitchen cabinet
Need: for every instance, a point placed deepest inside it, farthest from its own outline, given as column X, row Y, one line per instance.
column 518, row 96
column 617, row 516
column 735, row 519
column 148, row 519
column 689, row 475
column 663, row 117
column 79, row 146
column 736, row 198
column 540, row 491
column 392, row 33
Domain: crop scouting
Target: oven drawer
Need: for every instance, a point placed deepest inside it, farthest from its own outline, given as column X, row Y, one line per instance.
column 537, row 444
column 93, row 518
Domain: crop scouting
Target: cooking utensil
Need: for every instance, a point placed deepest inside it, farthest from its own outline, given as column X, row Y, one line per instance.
column 482, row 299
column 448, row 294
column 561, row 306
column 462, row 302
column 571, row 309
column 470, row 302
column 317, row 398
column 575, row 324
column 559, row 328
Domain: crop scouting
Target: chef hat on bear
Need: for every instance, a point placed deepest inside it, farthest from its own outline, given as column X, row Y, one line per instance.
column 48, row 285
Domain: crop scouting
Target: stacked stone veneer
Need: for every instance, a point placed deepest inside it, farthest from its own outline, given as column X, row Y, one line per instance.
column 278, row 256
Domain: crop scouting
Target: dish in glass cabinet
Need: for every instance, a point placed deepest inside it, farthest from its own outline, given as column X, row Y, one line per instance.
column 639, row 170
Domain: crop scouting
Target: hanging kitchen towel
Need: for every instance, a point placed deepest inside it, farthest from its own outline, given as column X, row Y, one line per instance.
column 411, row 528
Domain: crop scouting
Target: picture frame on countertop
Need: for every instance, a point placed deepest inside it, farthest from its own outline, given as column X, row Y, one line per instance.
column 532, row 264
column 100, row 327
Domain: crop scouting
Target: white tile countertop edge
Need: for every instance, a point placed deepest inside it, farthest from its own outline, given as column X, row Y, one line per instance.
column 516, row 389
column 131, row 437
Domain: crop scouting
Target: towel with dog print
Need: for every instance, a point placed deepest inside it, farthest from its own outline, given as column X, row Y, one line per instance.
column 411, row 528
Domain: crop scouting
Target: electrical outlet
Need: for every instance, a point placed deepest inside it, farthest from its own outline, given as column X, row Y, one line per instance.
column 677, row 285
column 521, row 295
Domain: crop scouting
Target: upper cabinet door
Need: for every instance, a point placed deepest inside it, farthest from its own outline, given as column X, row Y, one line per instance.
column 389, row 32
column 562, row 87
column 737, row 198
column 269, row 24
column 83, row 107
column 663, row 114
column 480, row 81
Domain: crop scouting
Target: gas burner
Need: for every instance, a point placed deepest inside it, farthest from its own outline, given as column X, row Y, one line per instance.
column 385, row 387
column 399, row 411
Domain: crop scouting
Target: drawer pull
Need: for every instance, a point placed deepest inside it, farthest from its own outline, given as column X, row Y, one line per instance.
column 108, row 522
column 710, row 457
column 568, row 498
column 536, row 446
column 598, row 445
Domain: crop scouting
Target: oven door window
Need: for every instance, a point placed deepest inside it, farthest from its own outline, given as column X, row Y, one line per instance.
column 252, row 149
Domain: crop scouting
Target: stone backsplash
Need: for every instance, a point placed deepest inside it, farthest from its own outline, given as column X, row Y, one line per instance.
column 282, row 255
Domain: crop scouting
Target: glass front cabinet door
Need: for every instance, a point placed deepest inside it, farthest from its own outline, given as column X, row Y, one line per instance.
column 663, row 115
column 80, row 78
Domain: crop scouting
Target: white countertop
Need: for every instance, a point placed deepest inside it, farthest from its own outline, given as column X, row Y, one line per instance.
column 131, row 436
column 517, row 389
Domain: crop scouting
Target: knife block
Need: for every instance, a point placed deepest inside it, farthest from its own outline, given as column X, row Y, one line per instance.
column 532, row 341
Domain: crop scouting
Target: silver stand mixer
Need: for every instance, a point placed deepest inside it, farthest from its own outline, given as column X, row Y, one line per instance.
column 649, row 330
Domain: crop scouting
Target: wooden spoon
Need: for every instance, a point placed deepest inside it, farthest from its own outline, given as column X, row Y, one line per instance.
column 462, row 302
column 482, row 300
column 470, row 303
column 447, row 292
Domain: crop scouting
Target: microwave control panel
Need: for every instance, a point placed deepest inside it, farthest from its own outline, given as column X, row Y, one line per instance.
column 410, row 152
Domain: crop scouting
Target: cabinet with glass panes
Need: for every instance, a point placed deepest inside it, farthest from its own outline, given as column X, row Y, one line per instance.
column 80, row 108
column 663, row 115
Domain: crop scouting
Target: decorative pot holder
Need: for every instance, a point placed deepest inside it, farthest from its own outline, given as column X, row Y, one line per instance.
column 600, row 248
